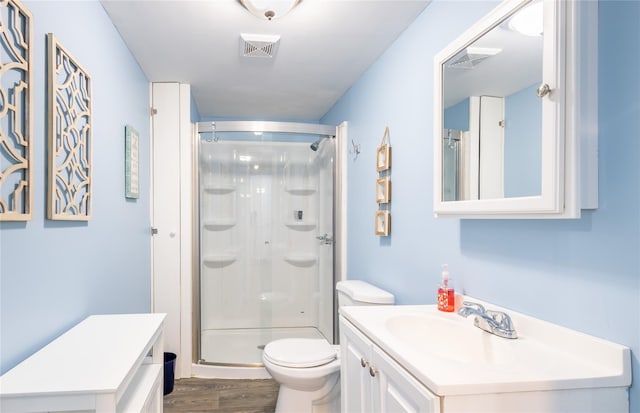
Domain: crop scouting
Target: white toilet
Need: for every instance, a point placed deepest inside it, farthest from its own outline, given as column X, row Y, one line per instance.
column 308, row 370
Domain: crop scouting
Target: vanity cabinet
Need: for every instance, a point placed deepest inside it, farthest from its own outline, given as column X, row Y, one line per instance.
column 419, row 359
column 105, row 364
column 371, row 381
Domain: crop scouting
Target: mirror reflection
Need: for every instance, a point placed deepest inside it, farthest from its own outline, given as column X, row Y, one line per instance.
column 491, row 142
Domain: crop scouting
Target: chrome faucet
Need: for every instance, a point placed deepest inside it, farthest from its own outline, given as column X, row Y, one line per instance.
column 494, row 322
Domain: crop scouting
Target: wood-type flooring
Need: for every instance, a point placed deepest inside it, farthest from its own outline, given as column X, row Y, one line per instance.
column 195, row 395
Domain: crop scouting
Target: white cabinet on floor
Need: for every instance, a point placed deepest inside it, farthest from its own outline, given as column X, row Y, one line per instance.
column 373, row 382
column 106, row 364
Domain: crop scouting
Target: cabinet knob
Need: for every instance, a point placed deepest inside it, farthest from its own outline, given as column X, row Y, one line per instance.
column 372, row 371
column 363, row 362
column 543, row 90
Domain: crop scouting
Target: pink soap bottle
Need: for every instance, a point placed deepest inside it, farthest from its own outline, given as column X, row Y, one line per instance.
column 446, row 293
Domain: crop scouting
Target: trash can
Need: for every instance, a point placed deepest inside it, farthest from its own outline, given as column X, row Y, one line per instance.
column 169, row 372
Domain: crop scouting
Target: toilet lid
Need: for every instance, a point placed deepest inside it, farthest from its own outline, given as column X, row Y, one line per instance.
column 300, row 352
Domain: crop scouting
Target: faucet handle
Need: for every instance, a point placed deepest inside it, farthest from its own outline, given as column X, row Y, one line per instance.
column 474, row 305
column 502, row 319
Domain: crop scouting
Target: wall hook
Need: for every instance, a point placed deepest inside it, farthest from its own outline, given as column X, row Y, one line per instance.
column 355, row 150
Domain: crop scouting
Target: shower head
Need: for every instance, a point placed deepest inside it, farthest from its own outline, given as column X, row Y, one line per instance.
column 315, row 145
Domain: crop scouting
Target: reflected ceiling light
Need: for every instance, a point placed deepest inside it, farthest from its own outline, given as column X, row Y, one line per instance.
column 269, row 9
column 528, row 21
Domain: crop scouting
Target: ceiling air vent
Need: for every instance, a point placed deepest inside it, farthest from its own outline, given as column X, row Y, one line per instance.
column 259, row 45
column 472, row 57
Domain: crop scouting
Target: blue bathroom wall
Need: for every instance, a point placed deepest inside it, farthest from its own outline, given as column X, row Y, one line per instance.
column 55, row 273
column 522, row 143
column 583, row 274
column 457, row 116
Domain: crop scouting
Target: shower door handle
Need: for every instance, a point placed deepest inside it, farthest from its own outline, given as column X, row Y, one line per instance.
column 326, row 239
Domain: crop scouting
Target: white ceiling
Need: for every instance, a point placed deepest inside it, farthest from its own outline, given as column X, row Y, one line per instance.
column 325, row 46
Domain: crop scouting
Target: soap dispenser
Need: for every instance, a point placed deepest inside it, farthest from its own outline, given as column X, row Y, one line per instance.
column 446, row 293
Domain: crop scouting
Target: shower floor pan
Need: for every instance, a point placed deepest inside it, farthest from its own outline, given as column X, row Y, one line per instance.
column 243, row 347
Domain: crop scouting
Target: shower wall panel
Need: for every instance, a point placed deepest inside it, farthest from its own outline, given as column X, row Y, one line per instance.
column 260, row 211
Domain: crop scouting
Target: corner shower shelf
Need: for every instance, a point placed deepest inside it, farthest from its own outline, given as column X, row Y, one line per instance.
column 219, row 189
column 301, row 260
column 219, row 224
column 219, row 261
column 301, row 190
column 301, row 225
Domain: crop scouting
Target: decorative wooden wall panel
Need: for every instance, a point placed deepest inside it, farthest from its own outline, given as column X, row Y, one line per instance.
column 70, row 136
column 16, row 112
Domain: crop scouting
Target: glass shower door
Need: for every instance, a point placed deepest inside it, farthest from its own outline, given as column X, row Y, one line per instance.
column 266, row 250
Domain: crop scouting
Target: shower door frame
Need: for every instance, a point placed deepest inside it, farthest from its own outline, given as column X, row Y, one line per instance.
column 338, row 202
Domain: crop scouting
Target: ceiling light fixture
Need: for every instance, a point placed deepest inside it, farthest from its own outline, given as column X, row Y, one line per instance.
column 269, row 9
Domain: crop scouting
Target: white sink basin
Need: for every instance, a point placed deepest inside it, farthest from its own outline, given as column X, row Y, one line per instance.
column 447, row 338
column 451, row 356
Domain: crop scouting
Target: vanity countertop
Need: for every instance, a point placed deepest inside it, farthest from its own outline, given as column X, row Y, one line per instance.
column 451, row 356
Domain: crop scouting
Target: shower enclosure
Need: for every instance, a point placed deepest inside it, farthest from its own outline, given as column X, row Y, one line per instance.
column 266, row 225
column 451, row 166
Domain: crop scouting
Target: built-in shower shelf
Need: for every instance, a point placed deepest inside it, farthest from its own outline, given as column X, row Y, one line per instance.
column 301, row 260
column 301, row 190
column 219, row 189
column 219, row 260
column 219, row 224
column 301, row 225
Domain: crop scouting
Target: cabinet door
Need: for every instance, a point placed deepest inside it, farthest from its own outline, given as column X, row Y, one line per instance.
column 397, row 390
column 355, row 381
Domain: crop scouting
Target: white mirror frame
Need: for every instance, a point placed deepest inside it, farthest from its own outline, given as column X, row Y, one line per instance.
column 570, row 69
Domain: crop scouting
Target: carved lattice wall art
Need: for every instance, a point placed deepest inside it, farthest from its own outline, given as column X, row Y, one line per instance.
column 70, row 132
column 16, row 112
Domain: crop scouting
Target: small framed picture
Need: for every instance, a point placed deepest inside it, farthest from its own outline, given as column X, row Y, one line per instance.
column 383, row 190
column 383, row 158
column 131, row 176
column 383, row 223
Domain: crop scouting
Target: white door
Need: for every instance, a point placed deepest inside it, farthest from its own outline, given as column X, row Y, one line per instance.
column 398, row 391
column 170, row 216
column 355, row 379
column 491, row 147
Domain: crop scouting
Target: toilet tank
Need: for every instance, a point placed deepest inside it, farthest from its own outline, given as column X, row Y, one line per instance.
column 356, row 292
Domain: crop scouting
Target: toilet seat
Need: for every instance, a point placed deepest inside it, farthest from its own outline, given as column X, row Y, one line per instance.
column 300, row 352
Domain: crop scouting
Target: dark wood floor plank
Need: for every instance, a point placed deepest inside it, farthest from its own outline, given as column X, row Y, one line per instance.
column 195, row 395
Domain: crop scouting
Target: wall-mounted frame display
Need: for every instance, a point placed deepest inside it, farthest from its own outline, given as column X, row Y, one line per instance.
column 383, row 158
column 70, row 136
column 383, row 223
column 131, row 155
column 383, row 186
column 383, row 190
column 383, row 153
column 16, row 116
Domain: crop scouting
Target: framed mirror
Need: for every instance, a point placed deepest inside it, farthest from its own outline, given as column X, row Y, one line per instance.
column 507, row 114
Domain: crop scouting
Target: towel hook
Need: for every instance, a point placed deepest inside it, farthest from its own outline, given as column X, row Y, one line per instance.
column 354, row 150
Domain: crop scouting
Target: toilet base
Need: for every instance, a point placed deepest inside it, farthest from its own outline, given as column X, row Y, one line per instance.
column 324, row 400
